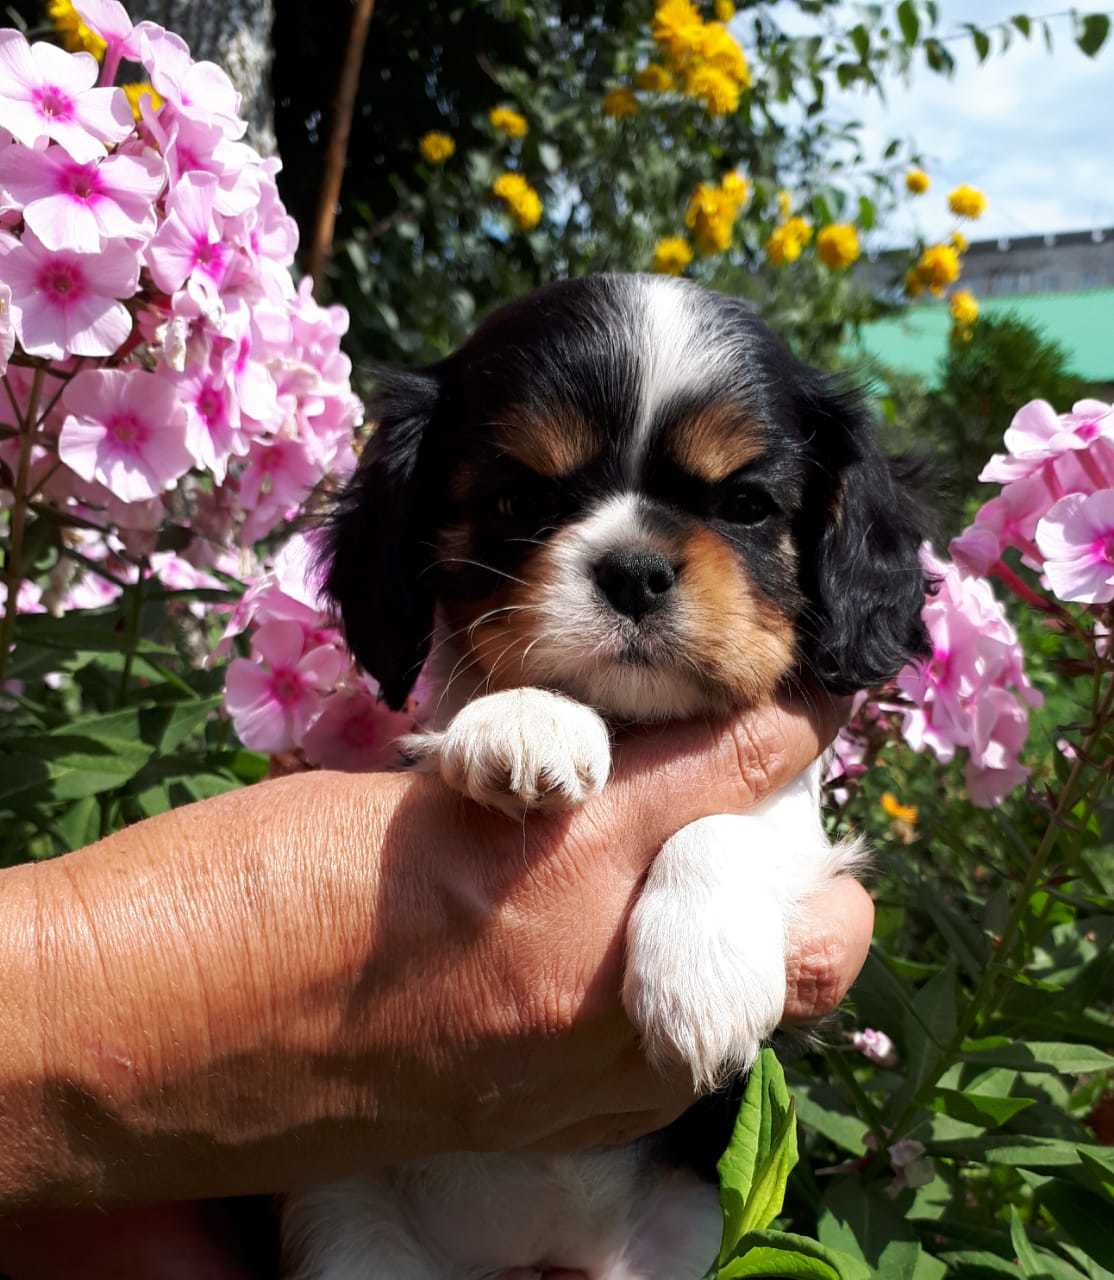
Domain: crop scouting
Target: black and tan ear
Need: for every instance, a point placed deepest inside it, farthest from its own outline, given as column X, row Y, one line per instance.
column 861, row 567
column 376, row 546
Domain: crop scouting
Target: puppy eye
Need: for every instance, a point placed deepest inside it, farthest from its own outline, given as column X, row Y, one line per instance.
column 747, row 505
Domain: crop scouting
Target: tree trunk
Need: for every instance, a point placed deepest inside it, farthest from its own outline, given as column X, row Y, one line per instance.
column 235, row 34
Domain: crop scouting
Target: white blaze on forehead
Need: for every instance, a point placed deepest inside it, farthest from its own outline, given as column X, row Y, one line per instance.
column 675, row 356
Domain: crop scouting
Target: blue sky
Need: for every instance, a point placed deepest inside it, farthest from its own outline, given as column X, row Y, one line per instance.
column 1033, row 130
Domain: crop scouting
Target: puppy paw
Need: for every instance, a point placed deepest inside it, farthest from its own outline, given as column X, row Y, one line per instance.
column 705, row 973
column 518, row 750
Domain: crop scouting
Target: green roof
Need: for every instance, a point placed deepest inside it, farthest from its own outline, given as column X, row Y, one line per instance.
column 1082, row 323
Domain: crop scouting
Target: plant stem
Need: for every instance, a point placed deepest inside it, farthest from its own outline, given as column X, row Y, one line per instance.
column 13, row 565
column 135, row 608
column 867, row 1110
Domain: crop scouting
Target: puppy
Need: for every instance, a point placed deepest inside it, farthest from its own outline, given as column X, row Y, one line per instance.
column 621, row 500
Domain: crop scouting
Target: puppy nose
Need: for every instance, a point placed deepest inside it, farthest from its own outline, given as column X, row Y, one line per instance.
column 634, row 582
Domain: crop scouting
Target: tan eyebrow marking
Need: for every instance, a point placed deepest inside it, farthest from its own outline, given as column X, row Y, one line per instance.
column 715, row 442
column 552, row 445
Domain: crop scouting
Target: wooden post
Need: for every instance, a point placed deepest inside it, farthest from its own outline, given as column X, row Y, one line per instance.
column 344, row 104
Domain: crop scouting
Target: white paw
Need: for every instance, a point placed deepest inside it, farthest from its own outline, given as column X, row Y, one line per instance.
column 520, row 749
column 705, row 971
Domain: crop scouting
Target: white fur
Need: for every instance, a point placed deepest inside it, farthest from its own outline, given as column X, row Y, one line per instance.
column 519, row 749
column 617, row 1214
column 705, row 975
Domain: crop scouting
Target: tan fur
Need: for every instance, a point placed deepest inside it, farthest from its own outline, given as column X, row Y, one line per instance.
column 716, row 442
column 549, row 446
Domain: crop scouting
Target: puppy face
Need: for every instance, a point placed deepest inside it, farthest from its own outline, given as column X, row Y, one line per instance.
column 626, row 489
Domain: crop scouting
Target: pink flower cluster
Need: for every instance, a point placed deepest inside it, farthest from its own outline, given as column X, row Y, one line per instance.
column 299, row 690
column 178, row 374
column 972, row 693
column 1056, row 507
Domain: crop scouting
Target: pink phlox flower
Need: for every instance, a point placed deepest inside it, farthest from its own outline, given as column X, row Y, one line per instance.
column 193, row 146
column 875, row 1046
column 200, row 91
column 288, row 591
column 66, row 303
column 78, row 206
column 213, row 432
column 177, row 574
column 29, row 597
column 274, row 697
column 126, row 430
column 972, row 693
column 1076, row 538
column 976, row 549
column 7, row 328
column 93, row 590
column 189, row 240
column 355, row 731
column 48, row 93
column 1038, row 433
column 277, row 478
column 110, row 20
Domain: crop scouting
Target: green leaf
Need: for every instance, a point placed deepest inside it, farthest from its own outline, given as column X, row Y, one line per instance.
column 1098, row 1165
column 983, row 1109
column 823, row 1110
column 779, row 1253
column 1030, row 1263
column 1023, row 24
column 977, row 1264
column 859, row 1219
column 980, row 40
column 1020, row 1150
column 1037, row 1056
column 83, row 758
column 167, row 725
column 760, row 1156
column 1094, row 29
column 1083, row 1217
column 909, row 21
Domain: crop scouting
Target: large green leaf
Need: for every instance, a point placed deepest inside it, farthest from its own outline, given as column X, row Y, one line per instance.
column 982, row 1109
column 755, row 1167
column 1085, row 1219
column 858, row 1218
column 1093, row 31
column 778, row 1253
column 1037, row 1056
column 90, row 755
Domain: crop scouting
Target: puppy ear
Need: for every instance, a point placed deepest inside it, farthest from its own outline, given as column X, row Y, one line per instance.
column 864, row 581
column 375, row 550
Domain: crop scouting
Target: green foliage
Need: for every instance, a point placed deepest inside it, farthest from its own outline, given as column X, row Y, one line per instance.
column 127, row 727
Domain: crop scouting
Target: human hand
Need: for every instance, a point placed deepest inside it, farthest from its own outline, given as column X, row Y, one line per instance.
column 331, row 971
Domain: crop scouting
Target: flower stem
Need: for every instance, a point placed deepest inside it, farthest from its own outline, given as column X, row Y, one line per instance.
column 13, row 563
column 1021, row 589
column 135, row 609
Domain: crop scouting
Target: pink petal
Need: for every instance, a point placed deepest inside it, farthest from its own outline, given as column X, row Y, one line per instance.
column 79, row 444
column 170, row 255
column 23, row 121
column 245, row 684
column 106, row 113
column 73, row 73
column 322, row 667
column 75, row 139
column 114, row 271
column 16, row 64
column 63, row 223
column 108, row 18
column 280, row 643
column 96, row 326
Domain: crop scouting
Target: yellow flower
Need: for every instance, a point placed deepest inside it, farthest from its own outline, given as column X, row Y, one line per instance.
column 838, row 245
column 719, row 48
column 522, row 201
column 906, row 813
column 672, row 255
column 508, row 122
column 717, row 91
column 76, row 36
column 725, row 10
column 137, row 91
column 967, row 202
column 938, row 267
column 736, row 190
column 620, row 102
column 654, row 78
column 958, row 242
column 914, row 286
column 787, row 241
column 712, row 211
column 964, row 307
column 677, row 28
column 784, row 205
column 917, row 182
column 436, row 148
